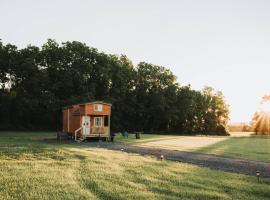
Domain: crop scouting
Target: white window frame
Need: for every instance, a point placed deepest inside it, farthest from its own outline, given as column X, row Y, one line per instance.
column 98, row 107
column 97, row 121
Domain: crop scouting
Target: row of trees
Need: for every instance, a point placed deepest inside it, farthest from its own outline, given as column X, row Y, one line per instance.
column 37, row 82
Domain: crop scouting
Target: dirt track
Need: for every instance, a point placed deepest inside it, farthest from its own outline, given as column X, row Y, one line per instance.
column 243, row 166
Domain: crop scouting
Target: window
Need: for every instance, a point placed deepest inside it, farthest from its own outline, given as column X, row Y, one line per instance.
column 106, row 120
column 98, row 121
column 97, row 107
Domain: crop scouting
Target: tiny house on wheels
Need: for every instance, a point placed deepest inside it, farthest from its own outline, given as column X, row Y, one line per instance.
column 88, row 120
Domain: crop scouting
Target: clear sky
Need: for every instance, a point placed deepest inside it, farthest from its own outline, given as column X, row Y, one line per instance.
column 223, row 44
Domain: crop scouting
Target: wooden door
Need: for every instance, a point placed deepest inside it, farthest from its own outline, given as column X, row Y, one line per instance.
column 86, row 125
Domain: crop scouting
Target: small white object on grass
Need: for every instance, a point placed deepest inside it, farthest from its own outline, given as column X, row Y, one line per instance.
column 258, row 173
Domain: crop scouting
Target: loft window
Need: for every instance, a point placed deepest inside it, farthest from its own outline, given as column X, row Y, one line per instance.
column 98, row 107
column 98, row 121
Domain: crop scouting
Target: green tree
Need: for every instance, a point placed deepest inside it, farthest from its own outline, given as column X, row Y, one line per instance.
column 37, row 82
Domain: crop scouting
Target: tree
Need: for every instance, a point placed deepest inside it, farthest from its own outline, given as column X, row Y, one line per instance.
column 35, row 83
column 153, row 85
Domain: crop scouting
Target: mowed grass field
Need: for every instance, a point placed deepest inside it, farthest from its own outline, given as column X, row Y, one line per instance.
column 239, row 145
column 251, row 147
column 33, row 167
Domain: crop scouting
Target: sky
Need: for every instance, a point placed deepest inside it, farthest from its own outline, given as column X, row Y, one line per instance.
column 220, row 43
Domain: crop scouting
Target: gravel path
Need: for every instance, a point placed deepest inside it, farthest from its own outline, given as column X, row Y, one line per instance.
column 242, row 166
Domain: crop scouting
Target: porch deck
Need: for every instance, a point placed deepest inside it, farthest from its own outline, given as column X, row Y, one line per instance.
column 99, row 132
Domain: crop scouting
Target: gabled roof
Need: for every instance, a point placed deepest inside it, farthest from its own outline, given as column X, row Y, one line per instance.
column 87, row 103
column 97, row 102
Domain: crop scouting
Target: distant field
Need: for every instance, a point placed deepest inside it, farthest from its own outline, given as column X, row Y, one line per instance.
column 241, row 145
column 32, row 167
column 253, row 147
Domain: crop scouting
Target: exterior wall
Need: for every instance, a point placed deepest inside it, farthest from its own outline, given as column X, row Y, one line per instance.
column 75, row 123
column 91, row 121
column 71, row 119
column 89, row 109
column 65, row 120
column 75, row 118
column 82, row 109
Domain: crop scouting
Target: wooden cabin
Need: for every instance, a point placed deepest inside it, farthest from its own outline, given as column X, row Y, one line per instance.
column 83, row 121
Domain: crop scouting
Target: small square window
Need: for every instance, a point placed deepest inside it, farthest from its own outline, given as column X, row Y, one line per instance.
column 98, row 107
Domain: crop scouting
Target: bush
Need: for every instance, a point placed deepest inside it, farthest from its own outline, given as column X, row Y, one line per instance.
column 220, row 130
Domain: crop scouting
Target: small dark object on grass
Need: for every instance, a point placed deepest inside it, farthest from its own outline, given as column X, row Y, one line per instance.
column 124, row 134
column 258, row 175
column 112, row 135
column 138, row 135
column 112, row 138
column 62, row 136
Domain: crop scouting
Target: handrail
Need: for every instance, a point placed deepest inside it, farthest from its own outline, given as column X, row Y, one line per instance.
column 76, row 131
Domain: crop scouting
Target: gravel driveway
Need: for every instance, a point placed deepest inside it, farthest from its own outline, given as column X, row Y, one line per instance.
column 242, row 166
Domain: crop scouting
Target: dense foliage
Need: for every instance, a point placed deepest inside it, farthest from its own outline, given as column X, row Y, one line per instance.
column 37, row 82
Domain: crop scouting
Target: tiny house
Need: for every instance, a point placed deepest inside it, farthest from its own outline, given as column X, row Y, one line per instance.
column 82, row 121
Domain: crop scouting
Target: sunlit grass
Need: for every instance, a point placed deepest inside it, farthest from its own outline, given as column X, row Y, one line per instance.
column 253, row 147
column 131, row 139
column 48, row 170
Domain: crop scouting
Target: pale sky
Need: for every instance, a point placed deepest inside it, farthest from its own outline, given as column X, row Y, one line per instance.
column 223, row 44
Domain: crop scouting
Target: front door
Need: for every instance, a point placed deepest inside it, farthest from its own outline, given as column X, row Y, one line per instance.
column 86, row 125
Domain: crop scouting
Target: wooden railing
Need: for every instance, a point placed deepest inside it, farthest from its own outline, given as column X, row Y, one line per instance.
column 99, row 130
column 77, row 132
column 94, row 131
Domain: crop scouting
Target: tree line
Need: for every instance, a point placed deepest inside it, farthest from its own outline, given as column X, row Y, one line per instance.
column 36, row 82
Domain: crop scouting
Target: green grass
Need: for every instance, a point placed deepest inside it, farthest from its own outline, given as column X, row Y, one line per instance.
column 253, row 147
column 33, row 168
column 144, row 138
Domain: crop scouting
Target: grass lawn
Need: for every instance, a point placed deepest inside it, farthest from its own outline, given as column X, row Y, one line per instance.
column 253, row 147
column 246, row 146
column 144, row 138
column 31, row 168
